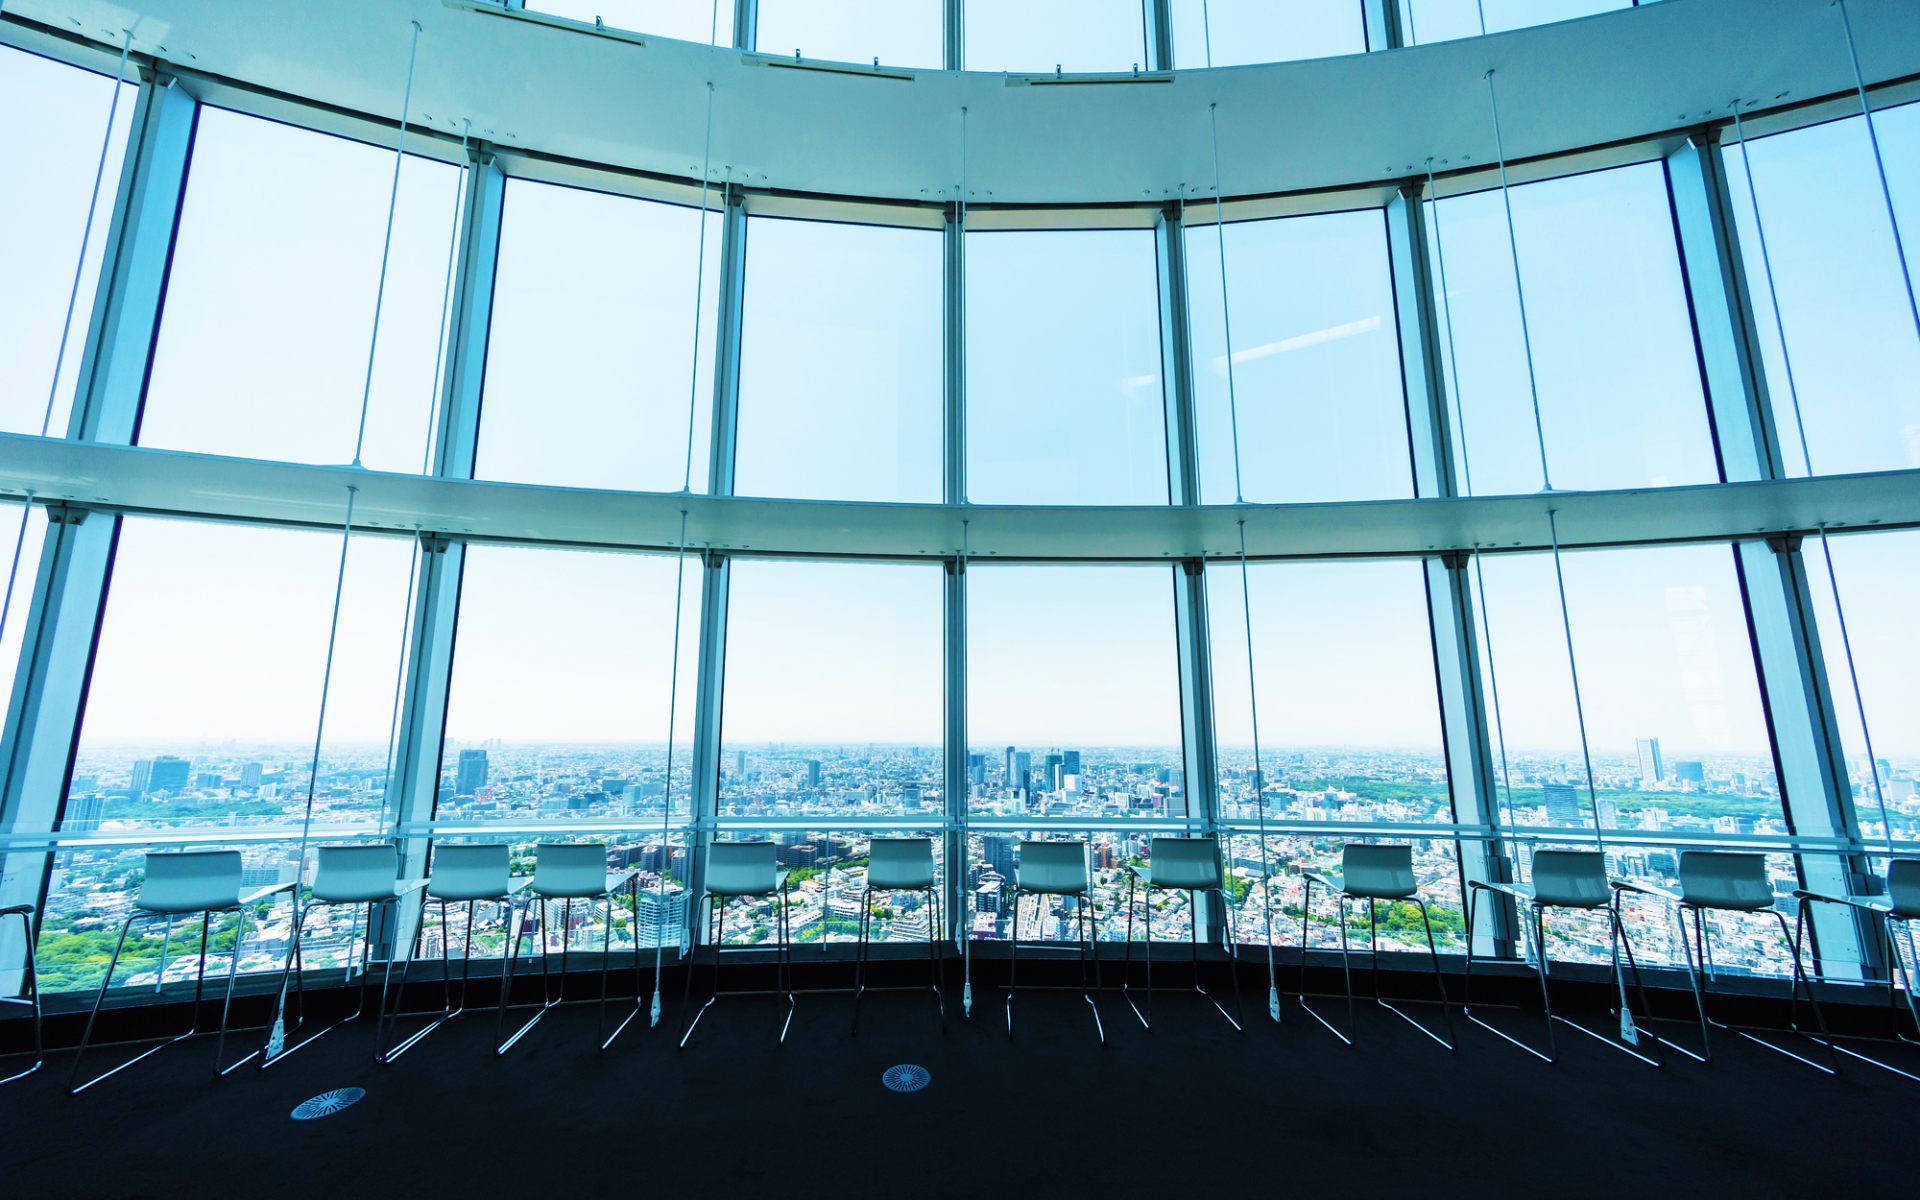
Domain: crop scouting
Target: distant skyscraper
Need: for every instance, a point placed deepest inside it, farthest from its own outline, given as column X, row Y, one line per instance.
column 998, row 853
column 83, row 813
column 250, row 775
column 1563, row 804
column 142, row 777
column 1652, row 770
column 813, row 773
column 1071, row 761
column 1689, row 771
column 1011, row 777
column 1056, row 769
column 1022, row 776
column 161, row 774
column 472, row 774
column 740, row 763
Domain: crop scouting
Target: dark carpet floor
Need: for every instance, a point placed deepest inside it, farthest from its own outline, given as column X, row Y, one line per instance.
column 1191, row 1109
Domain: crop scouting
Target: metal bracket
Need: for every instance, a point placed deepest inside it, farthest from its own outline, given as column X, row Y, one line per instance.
column 712, row 559
column 1785, row 543
column 65, row 512
column 1455, row 560
column 956, row 565
column 435, row 543
column 1193, row 568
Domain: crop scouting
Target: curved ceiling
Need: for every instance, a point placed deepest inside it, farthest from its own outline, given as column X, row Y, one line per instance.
column 640, row 103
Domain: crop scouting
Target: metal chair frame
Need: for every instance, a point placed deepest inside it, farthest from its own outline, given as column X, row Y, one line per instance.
column 297, row 969
column 1521, row 894
column 1088, row 927
column 1450, row 1042
column 242, row 905
column 1899, row 974
column 936, row 963
column 30, row 987
column 1236, row 1018
column 717, row 923
column 1699, row 957
column 549, row 999
column 510, row 909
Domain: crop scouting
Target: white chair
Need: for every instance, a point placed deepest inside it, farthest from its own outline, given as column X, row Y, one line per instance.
column 473, row 875
column 1728, row 882
column 1574, row 879
column 1371, row 873
column 29, row 985
column 569, row 871
column 738, row 870
column 1190, row 865
column 1057, row 869
column 364, row 877
column 900, row 865
column 1900, row 905
column 181, row 883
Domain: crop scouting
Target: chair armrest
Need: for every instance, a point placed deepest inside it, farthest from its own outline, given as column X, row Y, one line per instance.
column 1804, row 895
column 620, row 879
column 780, row 879
column 261, row 893
column 407, row 889
column 519, row 883
column 1646, row 889
column 1519, row 891
column 1324, row 880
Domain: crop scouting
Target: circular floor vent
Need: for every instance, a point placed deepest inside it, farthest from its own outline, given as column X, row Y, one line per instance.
column 327, row 1103
column 906, row 1078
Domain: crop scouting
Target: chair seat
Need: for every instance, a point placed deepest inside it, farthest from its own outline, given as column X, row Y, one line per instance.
column 1731, row 882
column 1052, row 868
column 1570, row 879
column 461, row 890
column 582, row 889
column 363, row 895
column 1361, row 890
column 746, row 887
column 900, row 864
column 1184, row 864
column 1903, row 889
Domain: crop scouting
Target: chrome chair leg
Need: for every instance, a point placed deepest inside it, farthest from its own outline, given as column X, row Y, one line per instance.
column 296, row 961
column 860, row 957
column 935, row 935
column 1238, row 1018
column 1090, row 930
column 548, row 1000
column 786, row 952
column 633, row 895
column 30, row 987
column 1306, row 914
column 1013, row 963
column 1126, row 961
column 716, row 928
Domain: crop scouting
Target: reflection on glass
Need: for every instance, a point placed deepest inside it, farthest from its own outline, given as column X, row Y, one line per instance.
column 1349, row 706
column 1073, row 35
column 557, row 708
column 590, row 351
column 1073, row 695
column 687, row 20
column 1316, row 361
column 899, row 33
column 840, row 363
column 1443, row 20
column 52, row 117
column 1255, row 31
column 833, row 690
column 1064, row 402
column 262, row 350
column 1618, row 377
column 1842, row 301
column 1672, row 704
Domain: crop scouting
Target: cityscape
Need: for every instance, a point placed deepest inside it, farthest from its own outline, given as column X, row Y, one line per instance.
column 822, row 805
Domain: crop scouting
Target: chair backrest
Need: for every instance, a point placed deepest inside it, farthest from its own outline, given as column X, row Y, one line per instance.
column 1192, row 863
column 1903, row 887
column 570, row 868
column 349, row 873
column 742, row 868
column 900, row 863
column 1057, row 867
column 470, row 872
column 1570, row 878
column 188, row 881
column 1382, row 872
column 1725, row 879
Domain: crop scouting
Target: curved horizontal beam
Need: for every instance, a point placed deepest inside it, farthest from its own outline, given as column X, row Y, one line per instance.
column 137, row 480
column 639, row 103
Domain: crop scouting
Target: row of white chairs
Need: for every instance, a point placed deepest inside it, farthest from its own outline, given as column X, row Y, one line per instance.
column 209, row 884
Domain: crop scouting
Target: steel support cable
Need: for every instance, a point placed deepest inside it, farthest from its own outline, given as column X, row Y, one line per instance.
column 1880, row 167
column 966, row 810
column 1806, row 458
column 654, row 1006
column 276, row 1038
column 73, row 301
column 1239, row 499
column 1466, row 469
column 965, row 908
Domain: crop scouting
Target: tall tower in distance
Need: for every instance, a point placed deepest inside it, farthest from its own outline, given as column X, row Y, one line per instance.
column 472, row 773
column 1652, row 770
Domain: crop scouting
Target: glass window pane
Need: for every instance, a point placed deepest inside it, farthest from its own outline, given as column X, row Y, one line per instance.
column 1443, row 20
column 1064, row 404
column 1876, row 577
column 50, row 132
column 1255, row 31
column 206, row 679
column 900, row 33
column 833, row 690
column 557, row 707
column 1349, row 705
column 1316, row 361
column 22, row 526
column 1073, row 692
column 1613, row 352
column 1844, row 306
column 590, row 352
column 262, row 350
column 687, row 20
column 840, row 363
column 1074, row 35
